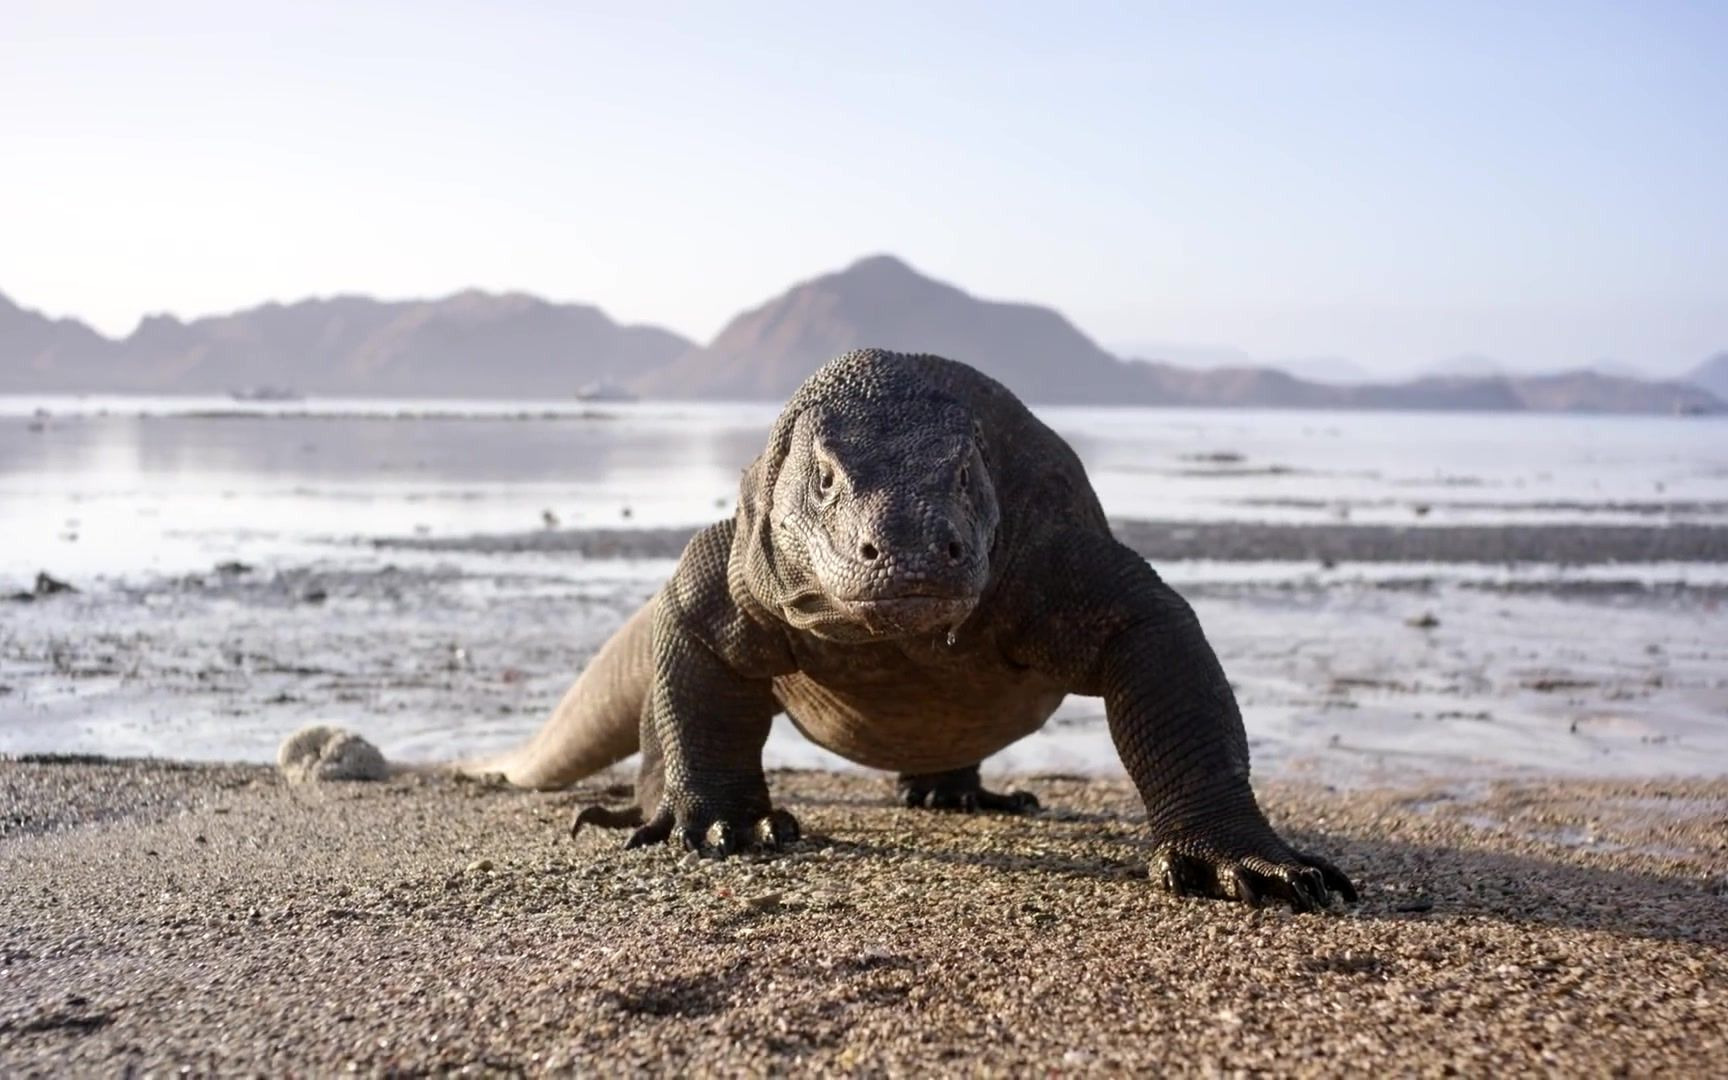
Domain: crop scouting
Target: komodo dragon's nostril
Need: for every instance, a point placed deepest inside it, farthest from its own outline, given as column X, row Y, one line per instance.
column 867, row 551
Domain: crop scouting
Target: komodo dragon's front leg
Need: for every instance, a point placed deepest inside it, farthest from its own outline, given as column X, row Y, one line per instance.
column 710, row 706
column 1100, row 619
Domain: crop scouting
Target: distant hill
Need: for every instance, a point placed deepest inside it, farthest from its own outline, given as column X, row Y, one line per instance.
column 1592, row 391
column 880, row 301
column 512, row 345
column 1174, row 352
column 39, row 353
column 1332, row 369
column 469, row 344
column 764, row 353
column 1712, row 375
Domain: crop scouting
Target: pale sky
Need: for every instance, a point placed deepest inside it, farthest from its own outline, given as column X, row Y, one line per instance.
column 1396, row 183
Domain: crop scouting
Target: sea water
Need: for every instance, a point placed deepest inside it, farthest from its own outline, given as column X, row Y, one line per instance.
column 120, row 496
column 120, row 486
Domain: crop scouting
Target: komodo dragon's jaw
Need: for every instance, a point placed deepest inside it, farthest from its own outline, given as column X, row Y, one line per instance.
column 894, row 617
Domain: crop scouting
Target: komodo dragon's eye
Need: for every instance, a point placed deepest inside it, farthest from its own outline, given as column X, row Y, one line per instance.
column 965, row 477
column 825, row 478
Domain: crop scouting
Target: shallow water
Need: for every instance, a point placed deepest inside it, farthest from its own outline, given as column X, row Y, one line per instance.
column 440, row 653
column 118, row 486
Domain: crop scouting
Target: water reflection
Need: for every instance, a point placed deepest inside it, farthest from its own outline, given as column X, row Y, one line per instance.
column 101, row 488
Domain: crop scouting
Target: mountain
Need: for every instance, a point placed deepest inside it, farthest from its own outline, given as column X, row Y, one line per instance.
column 1588, row 390
column 880, row 301
column 37, row 352
column 1194, row 356
column 1712, row 375
column 469, row 344
column 764, row 353
column 513, row 345
column 1619, row 369
column 1330, row 369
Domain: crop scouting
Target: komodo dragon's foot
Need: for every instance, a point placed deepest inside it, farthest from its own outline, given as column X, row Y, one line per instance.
column 1252, row 873
column 962, row 790
column 719, row 829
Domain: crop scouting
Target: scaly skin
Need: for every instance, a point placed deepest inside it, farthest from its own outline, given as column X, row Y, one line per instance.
column 917, row 573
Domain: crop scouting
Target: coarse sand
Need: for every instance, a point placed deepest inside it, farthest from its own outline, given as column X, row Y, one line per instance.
column 160, row 917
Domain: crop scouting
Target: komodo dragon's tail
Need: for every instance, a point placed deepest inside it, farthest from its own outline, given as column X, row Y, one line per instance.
column 596, row 724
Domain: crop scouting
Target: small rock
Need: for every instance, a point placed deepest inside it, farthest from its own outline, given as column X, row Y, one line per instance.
column 480, row 866
column 322, row 753
column 1425, row 621
column 767, row 901
column 47, row 585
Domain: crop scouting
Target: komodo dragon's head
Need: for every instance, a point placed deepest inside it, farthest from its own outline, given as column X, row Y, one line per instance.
column 881, row 517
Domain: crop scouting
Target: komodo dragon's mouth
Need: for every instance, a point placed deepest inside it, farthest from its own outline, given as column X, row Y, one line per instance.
column 896, row 616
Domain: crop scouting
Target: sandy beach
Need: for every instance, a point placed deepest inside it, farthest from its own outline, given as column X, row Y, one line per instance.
column 162, row 917
column 1495, row 695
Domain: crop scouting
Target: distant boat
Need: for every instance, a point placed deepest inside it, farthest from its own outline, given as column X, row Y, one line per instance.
column 604, row 391
column 264, row 393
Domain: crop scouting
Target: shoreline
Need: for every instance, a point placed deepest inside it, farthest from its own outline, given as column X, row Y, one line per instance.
column 1226, row 541
column 165, row 915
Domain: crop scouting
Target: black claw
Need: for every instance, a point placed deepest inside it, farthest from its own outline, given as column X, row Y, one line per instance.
column 1245, row 890
column 602, row 817
column 1184, row 875
column 727, row 838
column 655, row 832
column 1335, row 879
column 1311, row 888
column 693, row 837
column 1163, row 869
column 1012, row 802
column 913, row 798
column 1288, row 887
column 783, row 827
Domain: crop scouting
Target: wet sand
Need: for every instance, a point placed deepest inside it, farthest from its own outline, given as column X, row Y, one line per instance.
column 1227, row 540
column 160, row 917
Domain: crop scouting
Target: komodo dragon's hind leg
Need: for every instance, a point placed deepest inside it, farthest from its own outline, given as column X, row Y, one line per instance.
column 962, row 790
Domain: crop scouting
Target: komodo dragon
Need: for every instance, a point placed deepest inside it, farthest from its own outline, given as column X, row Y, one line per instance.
column 917, row 573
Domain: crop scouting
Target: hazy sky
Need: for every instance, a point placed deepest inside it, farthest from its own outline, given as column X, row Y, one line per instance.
column 1395, row 183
